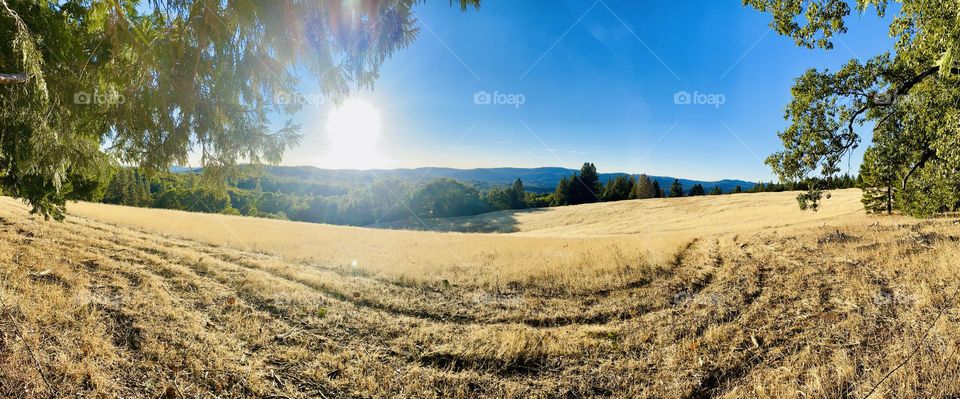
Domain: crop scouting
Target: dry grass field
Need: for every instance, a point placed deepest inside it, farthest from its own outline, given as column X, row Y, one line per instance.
column 731, row 296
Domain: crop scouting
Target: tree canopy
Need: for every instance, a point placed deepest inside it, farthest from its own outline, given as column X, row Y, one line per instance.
column 645, row 188
column 697, row 190
column 89, row 83
column 676, row 189
column 909, row 96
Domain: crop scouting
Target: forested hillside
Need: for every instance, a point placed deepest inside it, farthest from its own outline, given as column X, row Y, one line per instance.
column 363, row 198
column 536, row 180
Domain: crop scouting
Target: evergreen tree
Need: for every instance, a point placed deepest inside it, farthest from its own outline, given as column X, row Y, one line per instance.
column 617, row 189
column 117, row 188
column 676, row 190
column 658, row 192
column 716, row 191
column 560, row 194
column 878, row 180
column 697, row 190
column 585, row 186
column 645, row 188
column 737, row 189
column 518, row 196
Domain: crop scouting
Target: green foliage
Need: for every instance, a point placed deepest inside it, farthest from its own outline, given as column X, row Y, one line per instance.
column 362, row 204
column 560, row 194
column 812, row 23
column 534, row 200
column 584, row 186
column 158, row 80
column 645, row 188
column 908, row 95
column 513, row 197
column 878, row 180
column 447, row 197
column 314, row 196
column 676, row 190
column 697, row 190
column 581, row 188
column 128, row 187
column 930, row 192
column 618, row 188
column 716, row 191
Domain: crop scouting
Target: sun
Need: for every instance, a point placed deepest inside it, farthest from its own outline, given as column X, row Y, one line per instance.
column 353, row 130
column 355, row 124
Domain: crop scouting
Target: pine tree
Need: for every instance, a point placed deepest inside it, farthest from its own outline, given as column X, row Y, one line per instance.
column 697, row 190
column 116, row 189
column 676, row 190
column 878, row 179
column 658, row 192
column 716, row 191
column 617, row 189
column 737, row 189
column 585, row 186
column 518, row 196
column 607, row 193
column 645, row 188
column 560, row 194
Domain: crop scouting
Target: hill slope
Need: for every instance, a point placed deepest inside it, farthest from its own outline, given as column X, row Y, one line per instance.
column 688, row 216
column 145, row 303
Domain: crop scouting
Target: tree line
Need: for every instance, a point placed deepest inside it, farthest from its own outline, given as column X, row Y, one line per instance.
column 279, row 197
column 585, row 187
column 273, row 195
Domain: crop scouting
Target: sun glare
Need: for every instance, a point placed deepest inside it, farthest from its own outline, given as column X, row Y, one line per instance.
column 353, row 130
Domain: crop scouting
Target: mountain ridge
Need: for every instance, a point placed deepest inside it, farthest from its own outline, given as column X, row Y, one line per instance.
column 538, row 179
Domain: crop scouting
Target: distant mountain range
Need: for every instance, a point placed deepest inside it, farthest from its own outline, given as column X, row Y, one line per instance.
column 543, row 179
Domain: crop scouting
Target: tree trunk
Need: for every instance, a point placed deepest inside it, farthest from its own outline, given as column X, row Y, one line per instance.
column 889, row 199
column 7, row 78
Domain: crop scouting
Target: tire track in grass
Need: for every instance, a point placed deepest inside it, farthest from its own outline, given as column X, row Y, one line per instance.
column 414, row 295
column 198, row 304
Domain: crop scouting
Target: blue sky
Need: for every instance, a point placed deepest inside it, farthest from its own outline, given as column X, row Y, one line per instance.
column 598, row 81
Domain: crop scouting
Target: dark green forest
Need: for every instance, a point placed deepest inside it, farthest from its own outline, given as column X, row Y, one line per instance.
column 283, row 193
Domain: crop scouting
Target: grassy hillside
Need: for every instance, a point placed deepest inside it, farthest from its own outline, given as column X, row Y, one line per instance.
column 699, row 297
column 689, row 217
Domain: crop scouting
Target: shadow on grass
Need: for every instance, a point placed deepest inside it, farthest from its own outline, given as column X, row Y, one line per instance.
column 491, row 222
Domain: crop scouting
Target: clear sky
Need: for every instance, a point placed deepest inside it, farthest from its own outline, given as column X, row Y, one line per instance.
column 597, row 81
